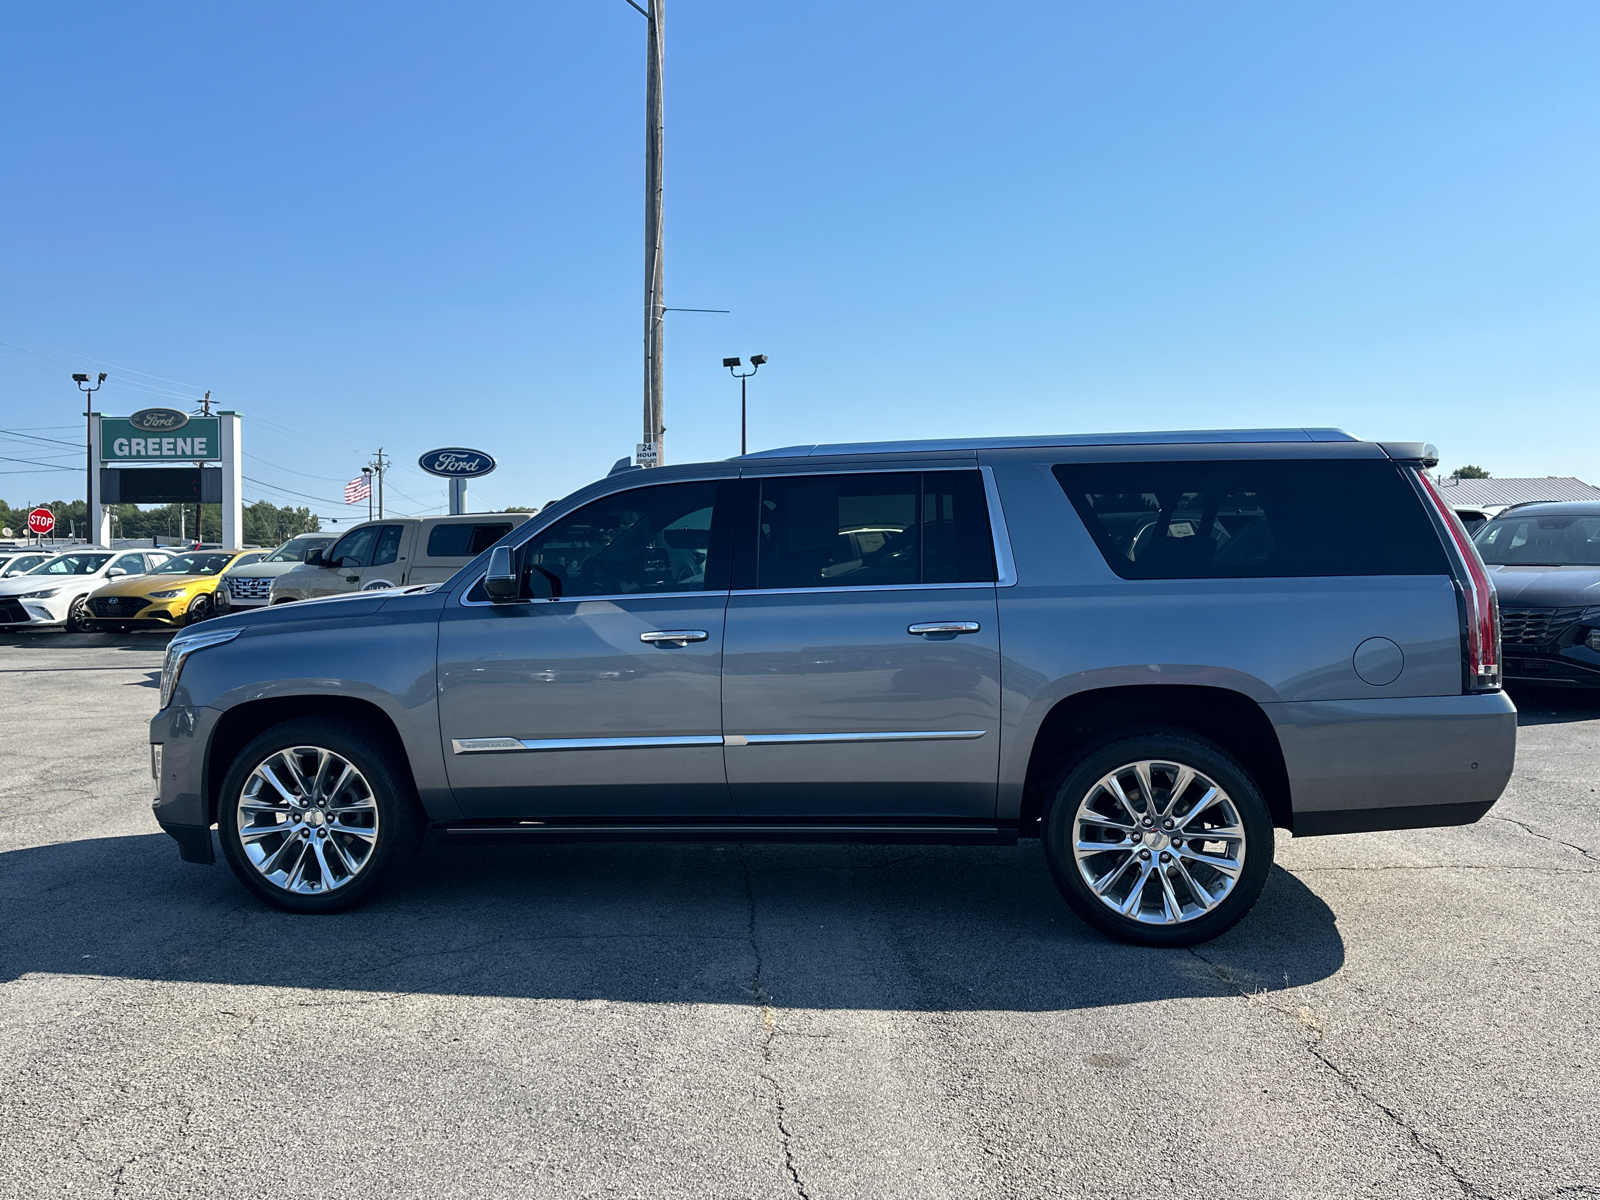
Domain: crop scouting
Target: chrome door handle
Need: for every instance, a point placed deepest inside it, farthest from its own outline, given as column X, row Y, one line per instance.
column 934, row 628
column 674, row 635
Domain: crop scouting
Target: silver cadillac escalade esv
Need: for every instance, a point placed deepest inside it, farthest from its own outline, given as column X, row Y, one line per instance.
column 1147, row 650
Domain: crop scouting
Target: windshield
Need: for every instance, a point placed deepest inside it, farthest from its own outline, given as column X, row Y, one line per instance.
column 1541, row 540
column 294, row 550
column 71, row 564
column 193, row 564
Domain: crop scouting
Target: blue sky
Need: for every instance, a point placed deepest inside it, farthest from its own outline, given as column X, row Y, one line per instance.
column 413, row 226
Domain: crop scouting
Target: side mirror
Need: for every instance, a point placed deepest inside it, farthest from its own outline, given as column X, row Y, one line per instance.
column 501, row 580
column 314, row 558
column 114, row 572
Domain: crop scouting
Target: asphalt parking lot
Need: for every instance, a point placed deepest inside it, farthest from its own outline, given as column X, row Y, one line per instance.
column 1409, row 1014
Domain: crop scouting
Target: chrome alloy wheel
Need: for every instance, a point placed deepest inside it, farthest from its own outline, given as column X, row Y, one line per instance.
column 1158, row 842
column 308, row 820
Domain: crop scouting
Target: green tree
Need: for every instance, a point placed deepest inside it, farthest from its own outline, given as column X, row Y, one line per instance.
column 1469, row 472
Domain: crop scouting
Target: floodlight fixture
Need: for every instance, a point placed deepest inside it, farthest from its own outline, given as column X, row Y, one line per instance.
column 758, row 360
column 731, row 363
column 80, row 379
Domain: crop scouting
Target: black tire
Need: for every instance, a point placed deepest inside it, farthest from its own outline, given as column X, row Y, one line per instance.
column 199, row 610
column 1061, row 826
column 77, row 622
column 399, row 819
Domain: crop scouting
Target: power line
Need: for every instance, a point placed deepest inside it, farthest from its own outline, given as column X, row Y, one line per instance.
column 31, row 438
column 291, row 470
column 100, row 361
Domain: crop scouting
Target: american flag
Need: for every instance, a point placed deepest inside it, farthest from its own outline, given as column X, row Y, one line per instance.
column 358, row 489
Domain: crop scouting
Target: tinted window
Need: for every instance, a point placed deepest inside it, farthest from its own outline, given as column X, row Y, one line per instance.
column 650, row 539
column 1239, row 520
column 872, row 530
column 464, row 541
column 72, row 564
column 356, row 544
column 193, row 564
column 388, row 546
column 133, row 564
column 1549, row 539
column 294, row 550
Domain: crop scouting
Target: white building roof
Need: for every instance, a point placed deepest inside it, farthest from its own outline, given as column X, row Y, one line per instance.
column 1487, row 493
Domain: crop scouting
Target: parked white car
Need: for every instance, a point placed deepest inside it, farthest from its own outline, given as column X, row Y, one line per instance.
column 52, row 593
column 16, row 562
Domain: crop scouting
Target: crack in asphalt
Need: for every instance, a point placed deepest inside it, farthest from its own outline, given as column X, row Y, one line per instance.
column 1529, row 829
column 1308, row 1019
column 769, row 1019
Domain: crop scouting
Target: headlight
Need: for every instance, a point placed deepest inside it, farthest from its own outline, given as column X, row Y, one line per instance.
column 164, row 595
column 178, row 651
column 44, row 595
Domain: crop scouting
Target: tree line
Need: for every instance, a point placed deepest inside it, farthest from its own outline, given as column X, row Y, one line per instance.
column 264, row 524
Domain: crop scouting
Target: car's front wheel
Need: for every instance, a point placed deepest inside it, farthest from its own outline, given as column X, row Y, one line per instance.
column 199, row 610
column 316, row 813
column 1159, row 838
column 78, row 616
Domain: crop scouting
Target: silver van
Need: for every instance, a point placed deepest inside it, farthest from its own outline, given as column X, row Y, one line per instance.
column 392, row 552
column 1147, row 650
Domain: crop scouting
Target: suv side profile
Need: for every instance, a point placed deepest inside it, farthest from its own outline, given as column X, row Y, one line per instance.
column 393, row 552
column 1147, row 650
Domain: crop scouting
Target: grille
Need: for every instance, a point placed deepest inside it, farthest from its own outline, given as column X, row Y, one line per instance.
column 12, row 610
column 1535, row 626
column 241, row 588
column 116, row 606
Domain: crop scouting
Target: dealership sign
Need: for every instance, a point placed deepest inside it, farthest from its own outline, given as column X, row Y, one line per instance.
column 159, row 435
column 456, row 463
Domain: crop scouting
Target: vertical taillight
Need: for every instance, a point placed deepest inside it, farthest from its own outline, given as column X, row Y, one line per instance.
column 1483, row 607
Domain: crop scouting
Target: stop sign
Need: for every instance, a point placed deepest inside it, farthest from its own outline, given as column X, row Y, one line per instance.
column 41, row 521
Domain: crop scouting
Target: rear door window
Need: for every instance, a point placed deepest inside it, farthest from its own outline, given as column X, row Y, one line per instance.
column 464, row 540
column 1262, row 519
column 871, row 529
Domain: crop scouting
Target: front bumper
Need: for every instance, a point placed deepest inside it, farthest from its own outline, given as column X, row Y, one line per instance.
column 15, row 614
column 180, row 806
column 1552, row 666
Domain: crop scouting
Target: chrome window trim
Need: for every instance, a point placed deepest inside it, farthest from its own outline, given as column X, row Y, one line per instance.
column 1005, row 565
column 511, row 745
column 467, row 591
column 860, row 587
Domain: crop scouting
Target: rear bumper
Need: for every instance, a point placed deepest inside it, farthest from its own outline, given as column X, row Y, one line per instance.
column 1359, row 765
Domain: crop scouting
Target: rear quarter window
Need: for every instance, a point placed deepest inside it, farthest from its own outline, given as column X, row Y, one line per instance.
column 1254, row 519
column 464, row 540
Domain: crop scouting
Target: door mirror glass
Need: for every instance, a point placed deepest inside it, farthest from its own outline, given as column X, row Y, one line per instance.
column 314, row 558
column 501, row 580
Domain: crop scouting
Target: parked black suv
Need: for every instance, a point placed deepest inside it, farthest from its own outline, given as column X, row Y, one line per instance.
column 1545, row 562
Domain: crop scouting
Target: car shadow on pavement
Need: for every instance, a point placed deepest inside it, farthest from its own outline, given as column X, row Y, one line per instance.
column 861, row 927
column 1555, row 706
column 58, row 639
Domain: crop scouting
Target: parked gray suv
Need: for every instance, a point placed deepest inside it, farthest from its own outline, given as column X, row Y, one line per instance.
column 1145, row 649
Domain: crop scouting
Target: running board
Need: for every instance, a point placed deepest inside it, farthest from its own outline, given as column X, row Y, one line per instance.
column 915, row 834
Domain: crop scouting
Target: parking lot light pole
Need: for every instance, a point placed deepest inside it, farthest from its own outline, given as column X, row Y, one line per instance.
column 756, row 362
column 88, row 445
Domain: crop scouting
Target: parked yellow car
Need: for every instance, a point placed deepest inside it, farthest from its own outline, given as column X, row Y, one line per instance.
column 178, row 592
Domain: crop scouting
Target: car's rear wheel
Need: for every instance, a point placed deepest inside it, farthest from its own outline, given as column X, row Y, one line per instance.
column 315, row 814
column 1159, row 838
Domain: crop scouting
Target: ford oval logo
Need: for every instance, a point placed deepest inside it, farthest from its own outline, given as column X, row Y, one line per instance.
column 158, row 420
column 456, row 463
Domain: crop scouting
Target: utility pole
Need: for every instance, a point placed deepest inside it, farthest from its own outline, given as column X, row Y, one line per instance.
column 654, row 281
column 88, row 443
column 378, row 466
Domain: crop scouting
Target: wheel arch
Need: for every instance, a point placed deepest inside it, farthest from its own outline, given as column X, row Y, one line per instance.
column 239, row 724
column 1085, row 719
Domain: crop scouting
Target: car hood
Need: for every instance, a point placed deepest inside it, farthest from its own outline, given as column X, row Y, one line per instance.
column 263, row 570
column 140, row 585
column 1547, row 587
